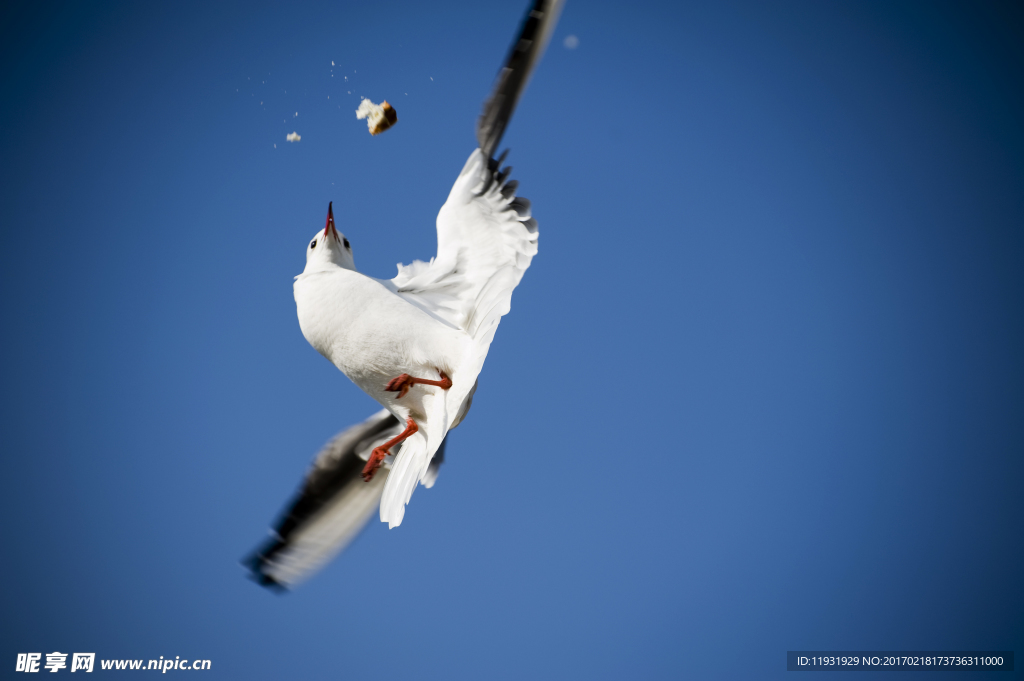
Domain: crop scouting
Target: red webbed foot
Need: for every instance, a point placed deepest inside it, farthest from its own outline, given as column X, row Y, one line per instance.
column 401, row 384
column 376, row 459
column 378, row 453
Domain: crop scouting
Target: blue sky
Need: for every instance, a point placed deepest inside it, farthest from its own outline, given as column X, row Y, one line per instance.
column 761, row 390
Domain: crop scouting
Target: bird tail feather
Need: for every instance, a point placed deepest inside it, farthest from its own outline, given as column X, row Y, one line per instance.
column 409, row 467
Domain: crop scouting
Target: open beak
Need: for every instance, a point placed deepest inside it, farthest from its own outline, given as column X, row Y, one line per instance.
column 329, row 227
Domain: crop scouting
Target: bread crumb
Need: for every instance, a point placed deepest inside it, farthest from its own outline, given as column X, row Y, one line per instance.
column 378, row 117
column 293, row 137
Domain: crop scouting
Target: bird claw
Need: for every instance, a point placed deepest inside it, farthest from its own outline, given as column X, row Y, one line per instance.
column 374, row 462
column 378, row 453
column 400, row 385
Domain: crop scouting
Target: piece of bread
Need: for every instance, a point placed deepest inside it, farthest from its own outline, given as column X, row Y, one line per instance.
column 378, row 117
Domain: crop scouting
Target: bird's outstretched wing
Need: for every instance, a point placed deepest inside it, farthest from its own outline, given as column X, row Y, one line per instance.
column 486, row 239
column 332, row 506
column 485, row 235
column 515, row 73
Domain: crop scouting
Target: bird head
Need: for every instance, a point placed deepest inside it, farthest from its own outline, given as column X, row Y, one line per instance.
column 329, row 247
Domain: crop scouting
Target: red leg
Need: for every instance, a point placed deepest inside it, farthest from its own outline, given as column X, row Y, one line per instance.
column 378, row 453
column 401, row 384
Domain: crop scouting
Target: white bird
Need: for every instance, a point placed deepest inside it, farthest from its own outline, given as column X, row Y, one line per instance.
column 415, row 343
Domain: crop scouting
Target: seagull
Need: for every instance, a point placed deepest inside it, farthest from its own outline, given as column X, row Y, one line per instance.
column 415, row 343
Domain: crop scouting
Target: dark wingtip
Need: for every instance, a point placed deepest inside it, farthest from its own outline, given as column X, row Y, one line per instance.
column 255, row 564
column 523, row 56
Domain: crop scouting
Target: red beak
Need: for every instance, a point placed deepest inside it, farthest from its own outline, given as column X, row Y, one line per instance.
column 329, row 227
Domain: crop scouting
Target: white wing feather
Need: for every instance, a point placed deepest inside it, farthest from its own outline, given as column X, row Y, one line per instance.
column 486, row 239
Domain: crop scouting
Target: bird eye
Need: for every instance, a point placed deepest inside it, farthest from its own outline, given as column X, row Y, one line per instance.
column 346, row 243
column 312, row 245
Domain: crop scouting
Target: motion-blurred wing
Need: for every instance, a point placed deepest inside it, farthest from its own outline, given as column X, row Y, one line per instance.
column 332, row 506
column 515, row 73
